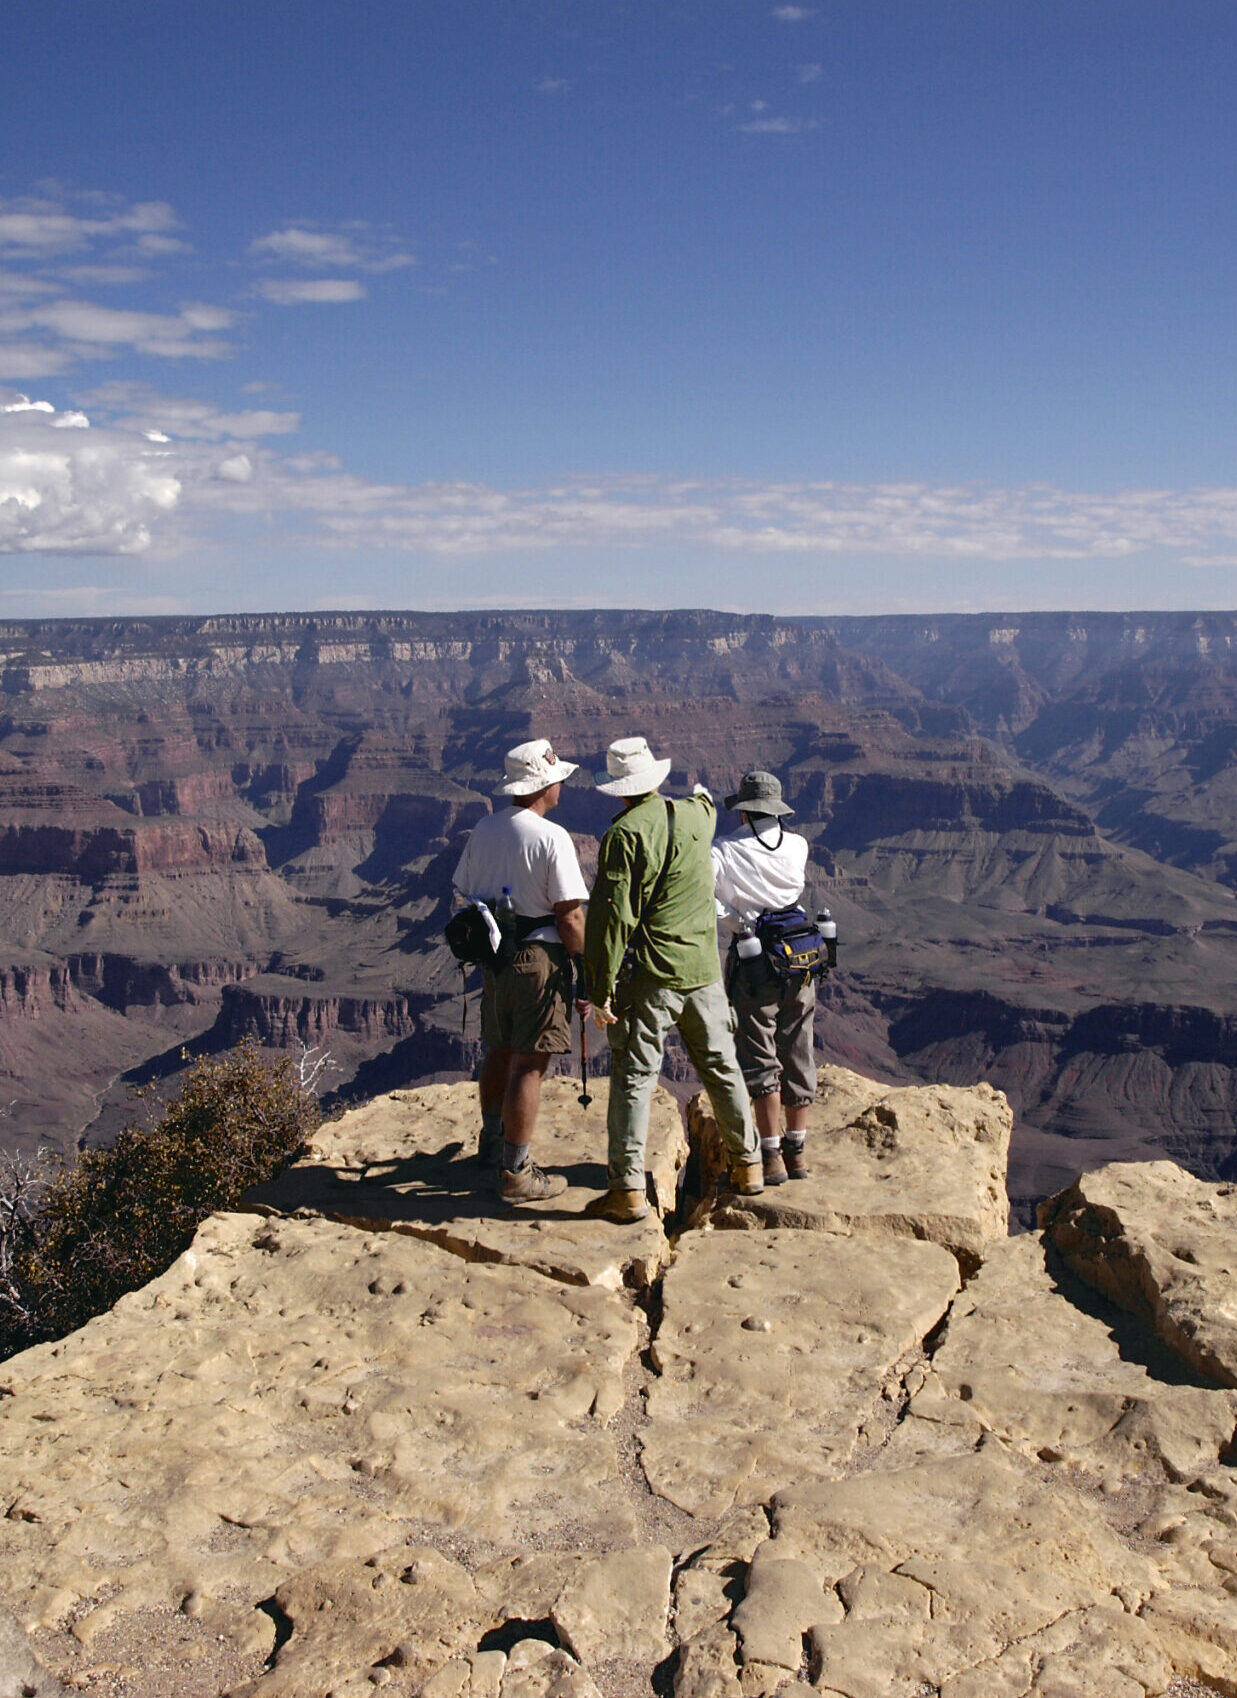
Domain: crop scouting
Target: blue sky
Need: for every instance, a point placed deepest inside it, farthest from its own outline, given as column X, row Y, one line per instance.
column 838, row 307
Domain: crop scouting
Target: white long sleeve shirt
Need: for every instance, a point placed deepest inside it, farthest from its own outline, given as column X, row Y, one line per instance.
column 753, row 871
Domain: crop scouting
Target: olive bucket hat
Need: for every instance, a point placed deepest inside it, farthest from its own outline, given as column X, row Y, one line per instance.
column 759, row 793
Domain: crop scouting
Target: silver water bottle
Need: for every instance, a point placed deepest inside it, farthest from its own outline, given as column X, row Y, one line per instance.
column 827, row 926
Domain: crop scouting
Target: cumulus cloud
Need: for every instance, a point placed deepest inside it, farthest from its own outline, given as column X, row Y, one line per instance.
column 76, row 490
column 355, row 247
column 317, row 291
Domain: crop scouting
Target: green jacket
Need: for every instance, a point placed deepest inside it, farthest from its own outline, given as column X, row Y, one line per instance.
column 678, row 942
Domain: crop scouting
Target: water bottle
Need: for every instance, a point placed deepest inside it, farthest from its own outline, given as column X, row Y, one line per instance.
column 504, row 913
column 747, row 944
column 827, row 926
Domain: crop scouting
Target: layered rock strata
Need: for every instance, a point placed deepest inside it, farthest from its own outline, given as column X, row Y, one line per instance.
column 373, row 1431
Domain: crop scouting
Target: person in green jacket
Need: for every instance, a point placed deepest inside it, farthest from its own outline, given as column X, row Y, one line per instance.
column 651, row 962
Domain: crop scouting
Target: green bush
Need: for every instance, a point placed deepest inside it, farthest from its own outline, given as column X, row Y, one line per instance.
column 71, row 1245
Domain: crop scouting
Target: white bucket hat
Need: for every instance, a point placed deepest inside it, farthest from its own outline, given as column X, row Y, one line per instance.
column 631, row 769
column 532, row 767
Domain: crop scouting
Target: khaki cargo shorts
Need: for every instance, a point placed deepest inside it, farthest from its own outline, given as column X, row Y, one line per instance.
column 527, row 1007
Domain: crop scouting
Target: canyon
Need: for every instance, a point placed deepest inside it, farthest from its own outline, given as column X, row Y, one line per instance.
column 1025, row 825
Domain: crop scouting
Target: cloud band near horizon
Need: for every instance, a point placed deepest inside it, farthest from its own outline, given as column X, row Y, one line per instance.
column 152, row 482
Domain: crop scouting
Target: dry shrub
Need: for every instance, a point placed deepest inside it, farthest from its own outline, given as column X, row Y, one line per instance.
column 122, row 1215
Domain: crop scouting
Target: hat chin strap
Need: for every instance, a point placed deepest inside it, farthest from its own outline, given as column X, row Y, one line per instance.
column 781, row 831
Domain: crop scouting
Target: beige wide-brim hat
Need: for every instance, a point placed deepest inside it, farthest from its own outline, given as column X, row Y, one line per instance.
column 631, row 769
column 532, row 767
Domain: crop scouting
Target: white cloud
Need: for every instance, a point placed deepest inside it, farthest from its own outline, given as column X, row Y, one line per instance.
column 24, row 360
column 552, row 85
column 139, row 407
column 91, row 330
column 809, row 73
column 319, row 291
column 129, row 487
column 42, row 228
column 356, row 247
column 779, row 126
column 792, row 14
column 77, row 490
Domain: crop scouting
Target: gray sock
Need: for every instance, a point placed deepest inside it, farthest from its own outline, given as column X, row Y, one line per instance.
column 795, row 1140
column 514, row 1156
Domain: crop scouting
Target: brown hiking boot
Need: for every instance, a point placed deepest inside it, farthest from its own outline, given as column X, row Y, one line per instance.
column 747, row 1178
column 532, row 1184
column 622, row 1207
column 795, row 1157
column 775, row 1170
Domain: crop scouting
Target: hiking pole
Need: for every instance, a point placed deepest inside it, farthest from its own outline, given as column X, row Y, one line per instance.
column 584, row 1098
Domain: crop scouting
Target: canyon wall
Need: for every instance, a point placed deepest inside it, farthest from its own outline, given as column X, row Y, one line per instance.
column 1026, row 826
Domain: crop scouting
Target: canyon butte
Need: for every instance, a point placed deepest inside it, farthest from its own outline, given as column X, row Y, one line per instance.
column 1026, row 826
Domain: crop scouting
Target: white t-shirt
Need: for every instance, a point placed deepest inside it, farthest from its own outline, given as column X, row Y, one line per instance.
column 534, row 857
column 753, row 871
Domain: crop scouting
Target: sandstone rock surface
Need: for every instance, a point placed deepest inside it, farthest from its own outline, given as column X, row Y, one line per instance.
column 406, row 1163
column 22, row 1675
column 1022, row 1359
column 450, row 1458
column 945, row 1570
column 1162, row 1244
column 297, row 1392
column 774, row 1352
column 926, row 1162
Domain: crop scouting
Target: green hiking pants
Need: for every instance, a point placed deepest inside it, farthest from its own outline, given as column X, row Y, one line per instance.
column 705, row 1021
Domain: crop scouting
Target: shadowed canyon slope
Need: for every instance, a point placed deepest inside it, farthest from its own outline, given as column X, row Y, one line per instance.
column 375, row 1430
column 1026, row 826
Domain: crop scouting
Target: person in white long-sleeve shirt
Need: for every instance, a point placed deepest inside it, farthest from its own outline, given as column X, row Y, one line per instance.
column 764, row 866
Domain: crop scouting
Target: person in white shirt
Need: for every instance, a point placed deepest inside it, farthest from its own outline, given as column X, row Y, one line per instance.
column 764, row 866
column 526, row 1004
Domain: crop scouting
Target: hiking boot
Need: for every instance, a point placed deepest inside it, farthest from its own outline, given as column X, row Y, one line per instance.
column 747, row 1178
column 532, row 1184
column 795, row 1157
column 775, row 1169
column 622, row 1207
column 616, row 1204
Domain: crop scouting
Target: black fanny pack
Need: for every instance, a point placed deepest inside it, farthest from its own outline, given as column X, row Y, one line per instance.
column 468, row 937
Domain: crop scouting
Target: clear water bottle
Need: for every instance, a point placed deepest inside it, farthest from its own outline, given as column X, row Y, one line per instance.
column 747, row 945
column 827, row 926
column 504, row 913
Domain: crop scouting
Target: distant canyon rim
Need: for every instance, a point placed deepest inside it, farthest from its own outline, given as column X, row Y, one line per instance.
column 1025, row 825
